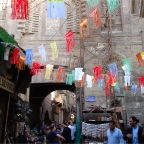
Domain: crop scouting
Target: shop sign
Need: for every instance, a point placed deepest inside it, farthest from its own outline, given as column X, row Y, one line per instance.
column 6, row 85
column 90, row 98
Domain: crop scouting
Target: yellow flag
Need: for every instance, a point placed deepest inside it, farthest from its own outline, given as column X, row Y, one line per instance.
column 54, row 50
column 48, row 72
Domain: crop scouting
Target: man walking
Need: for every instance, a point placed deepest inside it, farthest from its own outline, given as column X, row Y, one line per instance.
column 114, row 135
column 134, row 134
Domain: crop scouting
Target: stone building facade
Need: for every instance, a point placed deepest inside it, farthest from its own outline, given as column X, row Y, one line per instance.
column 127, row 41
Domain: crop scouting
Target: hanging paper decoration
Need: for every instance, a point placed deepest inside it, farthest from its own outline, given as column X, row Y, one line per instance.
column 92, row 2
column 69, row 40
column 89, row 80
column 21, row 64
column 134, row 88
column 140, row 58
column 141, row 80
column 70, row 78
column 83, row 25
column 60, row 74
column 14, row 57
column 127, row 80
column 49, row 69
column 54, row 50
column 56, row 9
column 42, row 53
column 19, row 9
column 7, row 54
column 78, row 71
column 96, row 16
column 29, row 57
column 112, row 5
column 97, row 72
column 35, row 69
column 126, row 66
column 113, row 69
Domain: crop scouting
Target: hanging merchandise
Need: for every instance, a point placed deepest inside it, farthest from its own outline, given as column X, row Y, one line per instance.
column 48, row 72
column 127, row 80
column 140, row 58
column 21, row 64
column 126, row 66
column 14, row 56
column 112, row 5
column 69, row 40
column 141, row 80
column 54, row 50
column 42, row 53
column 56, row 9
column 35, row 69
column 89, row 80
column 113, row 69
column 83, row 25
column 70, row 78
column 97, row 72
column 78, row 71
column 96, row 16
column 19, row 9
column 134, row 88
column 7, row 53
column 60, row 74
column 29, row 57
column 92, row 2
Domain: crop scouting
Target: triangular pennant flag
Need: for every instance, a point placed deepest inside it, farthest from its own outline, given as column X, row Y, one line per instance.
column 54, row 50
column 42, row 53
column 29, row 57
column 48, row 72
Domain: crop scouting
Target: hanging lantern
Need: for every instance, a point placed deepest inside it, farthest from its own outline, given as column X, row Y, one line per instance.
column 35, row 69
column 69, row 40
column 29, row 57
column 21, row 64
column 126, row 66
column 19, row 9
column 14, row 57
column 83, row 25
column 42, row 53
column 49, row 69
column 97, row 72
column 54, row 50
column 96, row 16
column 113, row 69
column 60, row 74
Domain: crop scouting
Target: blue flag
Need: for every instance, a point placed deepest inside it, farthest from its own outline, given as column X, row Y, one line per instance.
column 56, row 9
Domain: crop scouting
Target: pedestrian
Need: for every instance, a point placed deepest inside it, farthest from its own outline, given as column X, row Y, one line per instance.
column 73, row 130
column 52, row 136
column 114, row 135
column 134, row 134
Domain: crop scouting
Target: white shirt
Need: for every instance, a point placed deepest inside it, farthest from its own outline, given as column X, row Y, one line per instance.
column 72, row 132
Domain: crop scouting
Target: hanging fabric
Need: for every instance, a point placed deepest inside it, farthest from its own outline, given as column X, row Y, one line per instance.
column 89, row 81
column 69, row 41
column 83, row 25
column 19, row 9
column 7, row 53
column 60, row 74
column 56, row 9
column 29, row 57
column 113, row 69
column 35, row 69
column 140, row 58
column 141, row 80
column 92, row 2
column 96, row 16
column 126, row 66
column 54, row 50
column 14, row 57
column 21, row 64
column 78, row 71
column 97, row 72
column 134, row 88
column 48, row 72
column 70, row 78
column 112, row 5
column 42, row 53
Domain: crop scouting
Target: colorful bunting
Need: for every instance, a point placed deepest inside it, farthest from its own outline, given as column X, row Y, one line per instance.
column 42, row 53
column 97, row 72
column 96, row 16
column 82, row 81
column 56, row 9
column 113, row 69
column 140, row 58
column 70, row 78
column 69, row 40
column 134, row 88
column 48, row 72
column 35, row 69
column 112, row 5
column 19, row 9
column 78, row 72
column 83, row 25
column 29, row 57
column 60, row 74
column 127, row 80
column 141, row 80
column 100, row 82
column 89, row 80
column 54, row 50
column 92, row 2
column 126, row 66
